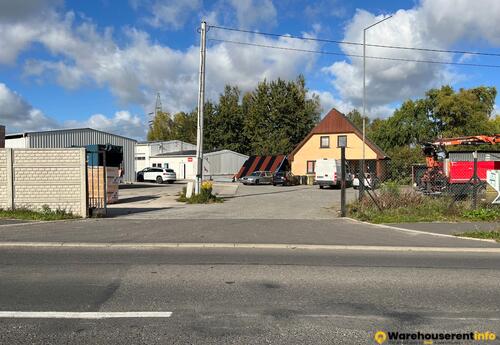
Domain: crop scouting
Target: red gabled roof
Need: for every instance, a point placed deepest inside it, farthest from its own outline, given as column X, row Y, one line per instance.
column 263, row 163
column 337, row 123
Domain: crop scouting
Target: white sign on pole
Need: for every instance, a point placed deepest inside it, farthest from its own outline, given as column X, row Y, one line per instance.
column 493, row 178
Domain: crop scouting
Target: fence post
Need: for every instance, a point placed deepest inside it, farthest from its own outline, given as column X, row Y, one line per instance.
column 10, row 178
column 475, row 183
column 342, row 181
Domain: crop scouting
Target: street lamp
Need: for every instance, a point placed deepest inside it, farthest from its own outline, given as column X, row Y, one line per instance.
column 362, row 181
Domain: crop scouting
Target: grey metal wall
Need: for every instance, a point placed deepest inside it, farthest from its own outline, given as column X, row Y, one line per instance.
column 469, row 156
column 83, row 137
column 225, row 162
column 170, row 146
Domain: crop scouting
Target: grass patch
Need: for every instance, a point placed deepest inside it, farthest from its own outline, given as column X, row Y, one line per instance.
column 44, row 214
column 489, row 235
column 401, row 205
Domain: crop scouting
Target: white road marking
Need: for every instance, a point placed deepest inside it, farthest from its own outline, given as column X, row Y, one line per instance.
column 82, row 315
column 419, row 232
column 247, row 246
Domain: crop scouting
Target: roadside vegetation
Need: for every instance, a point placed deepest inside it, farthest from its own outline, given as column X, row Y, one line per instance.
column 44, row 214
column 206, row 195
column 489, row 235
column 403, row 204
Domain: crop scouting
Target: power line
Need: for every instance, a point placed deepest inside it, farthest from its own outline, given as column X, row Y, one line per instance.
column 354, row 55
column 356, row 43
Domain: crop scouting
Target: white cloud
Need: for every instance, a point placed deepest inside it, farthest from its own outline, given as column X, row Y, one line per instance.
column 172, row 14
column 135, row 70
column 434, row 24
column 18, row 115
column 254, row 12
column 123, row 123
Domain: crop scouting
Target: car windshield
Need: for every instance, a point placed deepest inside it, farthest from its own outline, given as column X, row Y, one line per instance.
column 255, row 173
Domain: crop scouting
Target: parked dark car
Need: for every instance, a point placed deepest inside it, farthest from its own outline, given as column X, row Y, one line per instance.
column 283, row 178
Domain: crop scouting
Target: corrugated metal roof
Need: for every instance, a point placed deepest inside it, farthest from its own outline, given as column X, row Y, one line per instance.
column 261, row 163
column 68, row 130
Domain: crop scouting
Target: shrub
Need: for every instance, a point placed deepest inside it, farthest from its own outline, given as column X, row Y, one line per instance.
column 206, row 195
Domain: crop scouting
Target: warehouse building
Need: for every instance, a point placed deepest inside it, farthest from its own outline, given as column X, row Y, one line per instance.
column 146, row 149
column 217, row 165
column 65, row 138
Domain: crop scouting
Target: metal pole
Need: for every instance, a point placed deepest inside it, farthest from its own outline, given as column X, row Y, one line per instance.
column 361, row 176
column 201, row 103
column 343, row 182
column 475, row 182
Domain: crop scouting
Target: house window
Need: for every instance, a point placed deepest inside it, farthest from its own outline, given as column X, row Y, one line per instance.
column 311, row 165
column 165, row 165
column 140, row 158
column 324, row 142
column 342, row 141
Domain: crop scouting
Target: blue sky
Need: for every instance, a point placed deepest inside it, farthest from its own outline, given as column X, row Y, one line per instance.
column 100, row 63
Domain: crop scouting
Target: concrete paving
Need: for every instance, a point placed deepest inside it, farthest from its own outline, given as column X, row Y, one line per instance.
column 245, row 297
column 241, row 202
column 261, row 231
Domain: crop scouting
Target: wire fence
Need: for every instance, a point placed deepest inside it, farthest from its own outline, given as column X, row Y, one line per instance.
column 470, row 184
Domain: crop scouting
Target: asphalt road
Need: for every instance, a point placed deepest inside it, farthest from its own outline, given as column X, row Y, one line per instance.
column 237, row 296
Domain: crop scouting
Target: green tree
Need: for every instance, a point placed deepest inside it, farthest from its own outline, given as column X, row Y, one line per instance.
column 466, row 112
column 227, row 122
column 356, row 118
column 278, row 115
column 161, row 128
column 184, row 126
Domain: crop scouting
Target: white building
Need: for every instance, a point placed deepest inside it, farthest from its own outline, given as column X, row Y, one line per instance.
column 217, row 165
column 147, row 149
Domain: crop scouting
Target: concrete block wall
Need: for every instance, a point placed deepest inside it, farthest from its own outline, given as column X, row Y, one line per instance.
column 3, row 179
column 38, row 177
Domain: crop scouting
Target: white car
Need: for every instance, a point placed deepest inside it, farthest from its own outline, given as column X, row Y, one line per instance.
column 369, row 182
column 158, row 175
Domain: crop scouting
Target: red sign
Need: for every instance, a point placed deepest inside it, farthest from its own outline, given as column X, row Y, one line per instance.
column 190, row 159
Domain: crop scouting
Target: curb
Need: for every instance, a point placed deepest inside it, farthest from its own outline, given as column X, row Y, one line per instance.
column 419, row 232
column 243, row 246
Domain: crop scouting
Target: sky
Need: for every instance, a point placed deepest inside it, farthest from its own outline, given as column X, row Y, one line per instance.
column 100, row 63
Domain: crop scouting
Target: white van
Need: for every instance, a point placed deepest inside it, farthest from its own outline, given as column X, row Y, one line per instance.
column 328, row 173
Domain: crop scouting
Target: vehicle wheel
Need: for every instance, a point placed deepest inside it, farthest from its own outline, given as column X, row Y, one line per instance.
column 320, row 187
column 140, row 178
column 171, row 181
column 159, row 180
column 274, row 184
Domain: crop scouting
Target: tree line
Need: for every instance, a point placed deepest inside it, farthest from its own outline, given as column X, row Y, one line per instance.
column 271, row 119
column 441, row 113
column 277, row 115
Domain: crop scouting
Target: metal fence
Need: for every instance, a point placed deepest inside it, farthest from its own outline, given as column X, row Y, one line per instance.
column 468, row 184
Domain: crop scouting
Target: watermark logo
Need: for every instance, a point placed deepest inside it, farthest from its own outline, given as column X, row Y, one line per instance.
column 380, row 337
column 425, row 338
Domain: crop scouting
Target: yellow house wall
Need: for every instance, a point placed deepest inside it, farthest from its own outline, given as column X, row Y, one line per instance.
column 311, row 151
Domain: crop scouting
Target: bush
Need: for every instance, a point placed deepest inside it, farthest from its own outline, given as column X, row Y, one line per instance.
column 206, row 195
column 402, row 205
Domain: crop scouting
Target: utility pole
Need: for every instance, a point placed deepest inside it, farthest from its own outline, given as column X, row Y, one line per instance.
column 201, row 104
column 362, row 172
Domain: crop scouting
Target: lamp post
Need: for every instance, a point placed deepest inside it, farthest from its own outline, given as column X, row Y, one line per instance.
column 362, row 174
